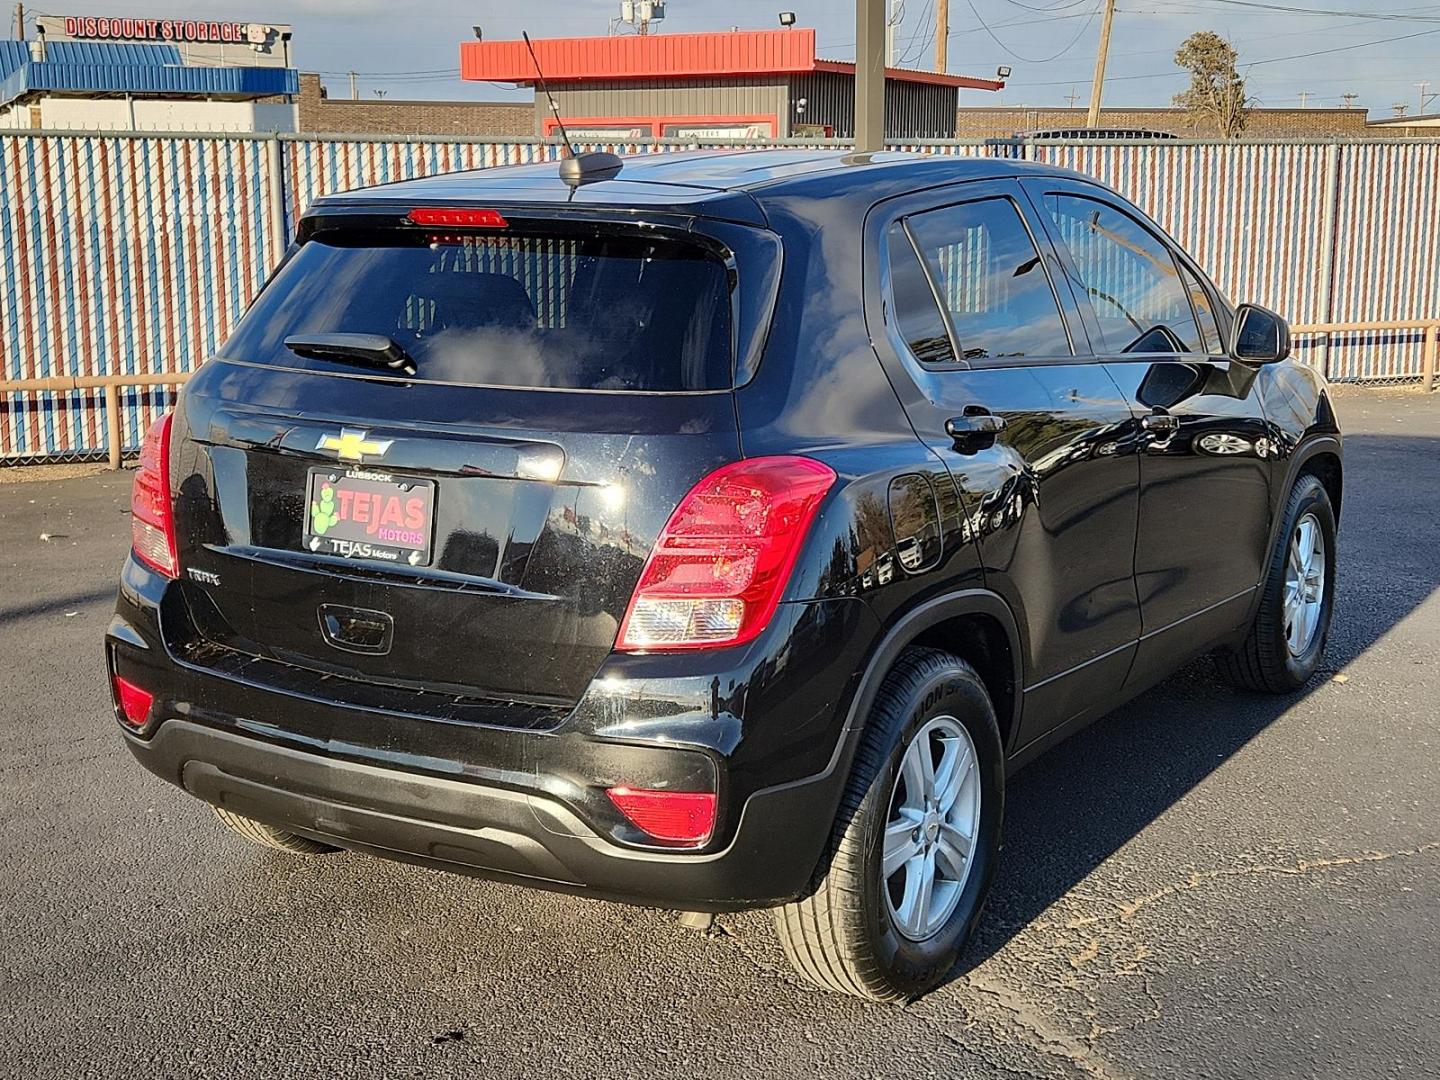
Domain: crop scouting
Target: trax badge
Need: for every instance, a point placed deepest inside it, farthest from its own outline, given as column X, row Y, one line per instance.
column 352, row 444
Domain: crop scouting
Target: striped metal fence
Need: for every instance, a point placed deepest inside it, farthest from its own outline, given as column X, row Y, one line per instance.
column 134, row 255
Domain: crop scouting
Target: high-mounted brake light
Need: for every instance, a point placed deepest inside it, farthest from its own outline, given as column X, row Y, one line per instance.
column 152, row 518
column 133, row 701
column 718, row 568
column 676, row 817
column 457, row 217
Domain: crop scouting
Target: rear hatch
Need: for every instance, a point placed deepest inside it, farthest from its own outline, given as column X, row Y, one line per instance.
column 432, row 458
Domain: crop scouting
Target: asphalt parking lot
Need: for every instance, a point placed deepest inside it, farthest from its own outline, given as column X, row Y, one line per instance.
column 1204, row 884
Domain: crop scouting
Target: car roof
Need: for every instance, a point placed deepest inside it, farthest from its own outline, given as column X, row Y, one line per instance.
column 733, row 184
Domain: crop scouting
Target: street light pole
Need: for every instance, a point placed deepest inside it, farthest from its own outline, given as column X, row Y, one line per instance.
column 869, row 75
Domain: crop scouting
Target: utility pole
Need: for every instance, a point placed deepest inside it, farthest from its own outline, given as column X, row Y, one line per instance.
column 942, row 36
column 1073, row 98
column 1305, row 98
column 1098, row 86
column 354, row 91
column 19, row 22
column 869, row 75
column 1350, row 99
column 1425, row 98
column 892, row 27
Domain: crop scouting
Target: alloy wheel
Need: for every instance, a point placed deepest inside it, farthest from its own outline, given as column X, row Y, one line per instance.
column 1304, row 585
column 931, row 828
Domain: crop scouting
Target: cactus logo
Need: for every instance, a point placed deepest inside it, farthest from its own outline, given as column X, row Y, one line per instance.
column 323, row 513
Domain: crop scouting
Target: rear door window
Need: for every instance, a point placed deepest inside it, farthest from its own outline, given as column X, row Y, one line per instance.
column 991, row 278
column 594, row 312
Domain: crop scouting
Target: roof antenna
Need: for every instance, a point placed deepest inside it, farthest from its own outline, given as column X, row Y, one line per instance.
column 575, row 168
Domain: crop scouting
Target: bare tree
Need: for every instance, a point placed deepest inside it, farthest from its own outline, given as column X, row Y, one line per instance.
column 1216, row 99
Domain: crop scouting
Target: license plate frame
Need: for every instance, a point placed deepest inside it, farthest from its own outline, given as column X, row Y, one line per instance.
column 369, row 516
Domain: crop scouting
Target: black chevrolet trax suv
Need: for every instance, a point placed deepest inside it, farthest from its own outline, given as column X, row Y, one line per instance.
column 714, row 531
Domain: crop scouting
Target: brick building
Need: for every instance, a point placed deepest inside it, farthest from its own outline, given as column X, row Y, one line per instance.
column 1003, row 121
column 321, row 115
column 1423, row 126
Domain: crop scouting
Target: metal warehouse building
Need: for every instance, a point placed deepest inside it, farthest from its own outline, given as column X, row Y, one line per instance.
column 741, row 84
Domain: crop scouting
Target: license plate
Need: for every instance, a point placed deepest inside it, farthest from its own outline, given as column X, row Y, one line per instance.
column 359, row 514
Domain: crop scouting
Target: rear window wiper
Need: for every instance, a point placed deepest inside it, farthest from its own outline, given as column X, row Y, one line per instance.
column 372, row 350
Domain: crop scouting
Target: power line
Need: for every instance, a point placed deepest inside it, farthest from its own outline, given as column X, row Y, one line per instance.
column 920, row 38
column 1047, row 8
column 1257, row 63
column 1031, row 59
column 1344, row 48
column 382, row 74
column 1285, row 9
column 957, row 31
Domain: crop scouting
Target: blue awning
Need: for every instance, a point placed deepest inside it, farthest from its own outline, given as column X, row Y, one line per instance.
column 73, row 67
column 112, row 53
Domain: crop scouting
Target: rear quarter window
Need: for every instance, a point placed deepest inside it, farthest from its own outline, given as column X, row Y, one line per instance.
column 597, row 312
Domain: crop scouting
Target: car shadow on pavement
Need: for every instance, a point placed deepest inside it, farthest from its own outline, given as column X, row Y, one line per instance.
column 68, row 602
column 1079, row 803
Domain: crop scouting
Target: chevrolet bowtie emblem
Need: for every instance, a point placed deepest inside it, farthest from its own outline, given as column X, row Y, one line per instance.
column 352, row 444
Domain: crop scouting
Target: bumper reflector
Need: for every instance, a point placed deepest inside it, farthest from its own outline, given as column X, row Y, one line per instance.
column 133, row 701
column 677, row 817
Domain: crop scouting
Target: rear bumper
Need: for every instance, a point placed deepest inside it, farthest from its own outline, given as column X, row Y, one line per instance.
column 488, row 831
column 764, row 729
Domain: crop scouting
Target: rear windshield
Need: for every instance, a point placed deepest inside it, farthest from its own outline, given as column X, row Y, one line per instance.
column 591, row 313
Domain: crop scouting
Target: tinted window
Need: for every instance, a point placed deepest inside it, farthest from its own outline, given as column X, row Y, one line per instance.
column 1205, row 312
column 1129, row 275
column 599, row 312
column 916, row 314
column 991, row 278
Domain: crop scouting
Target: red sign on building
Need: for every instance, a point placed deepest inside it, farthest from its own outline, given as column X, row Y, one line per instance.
column 188, row 30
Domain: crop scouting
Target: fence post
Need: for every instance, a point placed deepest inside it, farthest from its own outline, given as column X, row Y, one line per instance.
column 1432, row 355
column 112, row 416
column 1331, row 242
column 275, row 198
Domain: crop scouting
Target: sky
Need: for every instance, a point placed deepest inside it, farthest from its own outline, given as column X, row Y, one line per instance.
column 1377, row 50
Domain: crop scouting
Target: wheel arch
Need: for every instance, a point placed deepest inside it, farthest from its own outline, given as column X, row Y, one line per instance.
column 974, row 624
column 1319, row 456
column 1325, row 464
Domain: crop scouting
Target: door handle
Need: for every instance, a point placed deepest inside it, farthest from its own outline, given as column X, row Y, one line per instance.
column 974, row 425
column 1160, row 423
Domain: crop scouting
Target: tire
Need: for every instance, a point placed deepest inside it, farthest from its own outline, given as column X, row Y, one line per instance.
column 1268, row 660
column 268, row 836
column 845, row 934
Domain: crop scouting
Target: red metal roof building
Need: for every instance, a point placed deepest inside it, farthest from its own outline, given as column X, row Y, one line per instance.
column 741, row 84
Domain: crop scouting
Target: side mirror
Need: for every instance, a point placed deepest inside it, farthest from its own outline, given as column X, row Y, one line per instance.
column 1259, row 336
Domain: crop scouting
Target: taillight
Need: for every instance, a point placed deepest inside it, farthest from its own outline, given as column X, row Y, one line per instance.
column 716, row 572
column 458, row 217
column 133, row 701
column 676, row 817
column 152, row 518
